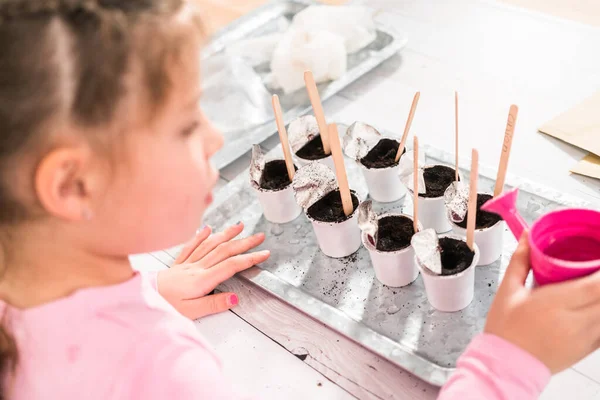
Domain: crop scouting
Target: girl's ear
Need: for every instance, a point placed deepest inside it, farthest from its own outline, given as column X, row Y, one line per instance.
column 64, row 181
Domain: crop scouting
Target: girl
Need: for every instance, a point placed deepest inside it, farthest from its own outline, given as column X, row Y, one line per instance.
column 104, row 153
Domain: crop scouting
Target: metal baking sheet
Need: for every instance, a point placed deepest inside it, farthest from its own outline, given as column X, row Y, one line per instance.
column 397, row 324
column 265, row 20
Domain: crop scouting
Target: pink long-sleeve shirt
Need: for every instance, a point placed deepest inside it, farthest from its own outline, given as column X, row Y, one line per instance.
column 494, row 369
column 127, row 342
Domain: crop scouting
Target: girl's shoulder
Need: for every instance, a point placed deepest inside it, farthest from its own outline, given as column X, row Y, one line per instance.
column 111, row 339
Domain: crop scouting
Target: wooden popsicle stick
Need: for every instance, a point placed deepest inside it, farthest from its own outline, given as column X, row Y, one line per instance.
column 340, row 170
column 315, row 101
column 287, row 154
column 506, row 147
column 472, row 218
column 416, row 185
column 411, row 115
column 456, row 134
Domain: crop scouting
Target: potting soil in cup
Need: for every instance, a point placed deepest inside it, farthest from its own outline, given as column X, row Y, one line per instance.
column 275, row 176
column 313, row 150
column 437, row 179
column 456, row 256
column 330, row 209
column 383, row 155
column 394, row 233
column 484, row 219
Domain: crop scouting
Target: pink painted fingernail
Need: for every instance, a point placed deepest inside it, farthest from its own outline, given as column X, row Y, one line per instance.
column 233, row 300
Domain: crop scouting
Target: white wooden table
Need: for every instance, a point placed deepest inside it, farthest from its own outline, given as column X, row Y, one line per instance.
column 494, row 55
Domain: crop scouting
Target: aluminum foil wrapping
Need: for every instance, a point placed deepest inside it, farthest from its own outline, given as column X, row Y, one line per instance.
column 427, row 250
column 456, row 199
column 228, row 83
column 406, row 171
column 301, row 131
column 257, row 166
column 368, row 220
column 312, row 182
column 360, row 139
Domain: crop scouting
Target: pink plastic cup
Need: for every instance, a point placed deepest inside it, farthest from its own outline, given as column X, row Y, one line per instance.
column 565, row 244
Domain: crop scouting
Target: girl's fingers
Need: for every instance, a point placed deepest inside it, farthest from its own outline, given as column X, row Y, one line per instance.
column 215, row 240
column 188, row 249
column 208, row 305
column 218, row 274
column 231, row 249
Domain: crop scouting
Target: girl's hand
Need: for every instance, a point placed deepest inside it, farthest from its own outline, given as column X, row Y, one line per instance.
column 558, row 324
column 202, row 265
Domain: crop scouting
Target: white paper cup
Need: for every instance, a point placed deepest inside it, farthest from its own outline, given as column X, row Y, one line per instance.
column 384, row 184
column 327, row 161
column 450, row 293
column 489, row 240
column 338, row 239
column 432, row 212
column 433, row 215
column 279, row 206
column 394, row 268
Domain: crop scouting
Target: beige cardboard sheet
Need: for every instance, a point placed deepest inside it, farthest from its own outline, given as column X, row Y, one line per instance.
column 579, row 126
column 589, row 166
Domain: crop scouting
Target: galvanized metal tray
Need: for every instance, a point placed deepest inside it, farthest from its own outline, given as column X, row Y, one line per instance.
column 397, row 324
column 264, row 20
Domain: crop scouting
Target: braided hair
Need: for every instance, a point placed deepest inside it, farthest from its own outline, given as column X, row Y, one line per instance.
column 66, row 60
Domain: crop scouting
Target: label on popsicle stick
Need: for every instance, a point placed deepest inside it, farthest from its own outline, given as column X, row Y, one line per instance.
column 340, row 170
column 506, row 147
column 315, row 101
